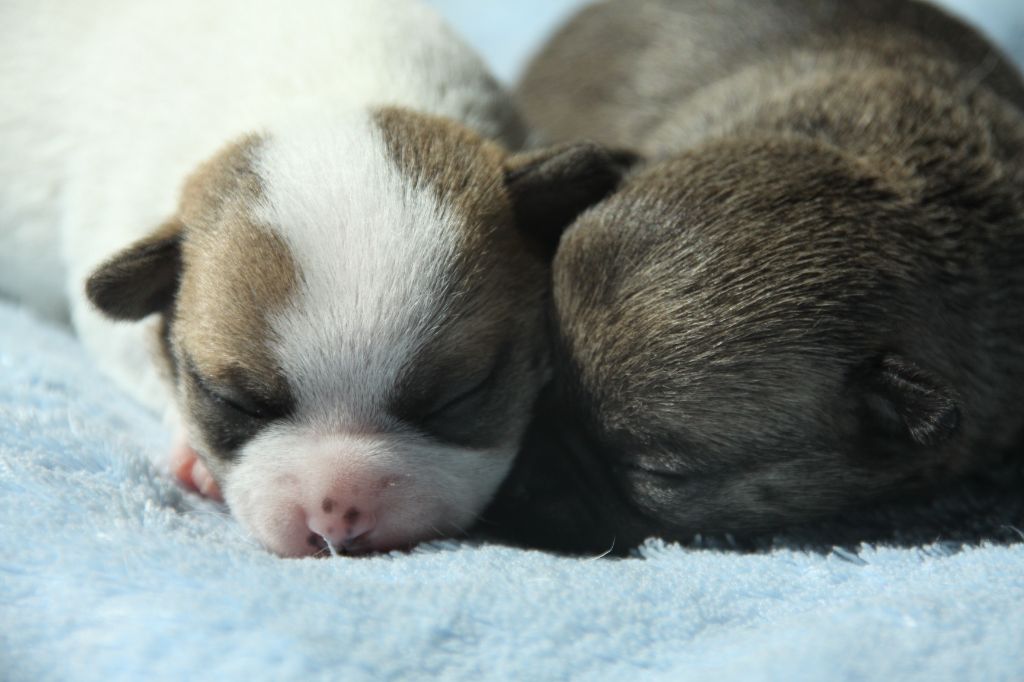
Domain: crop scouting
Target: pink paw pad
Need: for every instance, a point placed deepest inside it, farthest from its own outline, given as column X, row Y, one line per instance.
column 192, row 473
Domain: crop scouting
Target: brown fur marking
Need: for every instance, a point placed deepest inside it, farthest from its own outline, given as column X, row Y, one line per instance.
column 496, row 285
column 235, row 273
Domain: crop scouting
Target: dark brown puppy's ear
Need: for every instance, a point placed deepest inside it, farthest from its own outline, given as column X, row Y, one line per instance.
column 550, row 187
column 904, row 399
column 142, row 279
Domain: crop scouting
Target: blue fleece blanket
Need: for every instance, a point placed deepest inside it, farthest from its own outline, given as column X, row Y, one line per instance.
column 109, row 572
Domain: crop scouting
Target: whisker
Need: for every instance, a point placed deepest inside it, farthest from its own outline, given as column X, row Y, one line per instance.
column 605, row 553
column 1015, row 530
column 330, row 547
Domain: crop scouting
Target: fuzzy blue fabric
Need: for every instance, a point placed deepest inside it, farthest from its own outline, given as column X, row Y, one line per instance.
column 109, row 572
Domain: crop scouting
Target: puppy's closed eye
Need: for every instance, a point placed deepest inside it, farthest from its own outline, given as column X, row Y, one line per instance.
column 461, row 399
column 450, row 404
column 237, row 400
column 229, row 412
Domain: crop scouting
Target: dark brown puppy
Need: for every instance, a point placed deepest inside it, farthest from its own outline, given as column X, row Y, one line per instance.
column 812, row 294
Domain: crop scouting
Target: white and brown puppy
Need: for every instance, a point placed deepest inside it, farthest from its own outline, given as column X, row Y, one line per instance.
column 810, row 297
column 345, row 296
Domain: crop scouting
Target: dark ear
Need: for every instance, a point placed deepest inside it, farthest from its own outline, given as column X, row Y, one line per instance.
column 904, row 399
column 550, row 187
column 140, row 280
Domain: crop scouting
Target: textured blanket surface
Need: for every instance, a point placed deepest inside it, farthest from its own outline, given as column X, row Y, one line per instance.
column 109, row 572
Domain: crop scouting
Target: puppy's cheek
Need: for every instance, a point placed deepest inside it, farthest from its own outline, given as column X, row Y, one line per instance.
column 298, row 491
column 218, row 434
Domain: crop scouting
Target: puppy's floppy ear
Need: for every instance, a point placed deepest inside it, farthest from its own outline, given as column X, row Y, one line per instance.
column 904, row 399
column 142, row 279
column 550, row 187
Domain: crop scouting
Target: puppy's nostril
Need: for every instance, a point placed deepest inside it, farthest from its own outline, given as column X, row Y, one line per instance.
column 340, row 524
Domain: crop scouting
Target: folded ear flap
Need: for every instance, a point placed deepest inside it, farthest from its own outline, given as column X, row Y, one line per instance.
column 551, row 186
column 140, row 280
column 904, row 399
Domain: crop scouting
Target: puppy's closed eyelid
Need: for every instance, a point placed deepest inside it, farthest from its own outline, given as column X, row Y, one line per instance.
column 243, row 405
column 464, row 396
column 240, row 400
column 478, row 387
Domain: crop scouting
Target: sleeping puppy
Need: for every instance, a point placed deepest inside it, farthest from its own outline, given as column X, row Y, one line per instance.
column 340, row 276
column 810, row 296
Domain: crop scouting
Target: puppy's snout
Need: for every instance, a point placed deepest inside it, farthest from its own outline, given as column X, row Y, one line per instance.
column 342, row 521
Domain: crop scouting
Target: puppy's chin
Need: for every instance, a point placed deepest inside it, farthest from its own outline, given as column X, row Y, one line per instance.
column 304, row 492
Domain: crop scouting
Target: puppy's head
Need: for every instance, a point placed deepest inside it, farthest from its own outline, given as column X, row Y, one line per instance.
column 768, row 339
column 353, row 320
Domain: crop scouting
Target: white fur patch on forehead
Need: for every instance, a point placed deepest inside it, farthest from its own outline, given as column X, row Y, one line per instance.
column 373, row 253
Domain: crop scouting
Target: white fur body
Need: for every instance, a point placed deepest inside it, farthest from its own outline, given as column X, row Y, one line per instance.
column 109, row 105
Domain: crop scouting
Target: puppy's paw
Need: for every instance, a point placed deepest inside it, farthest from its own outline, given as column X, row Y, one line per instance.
column 191, row 473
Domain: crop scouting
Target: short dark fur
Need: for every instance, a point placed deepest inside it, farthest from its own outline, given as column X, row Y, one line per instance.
column 155, row 268
column 810, row 297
